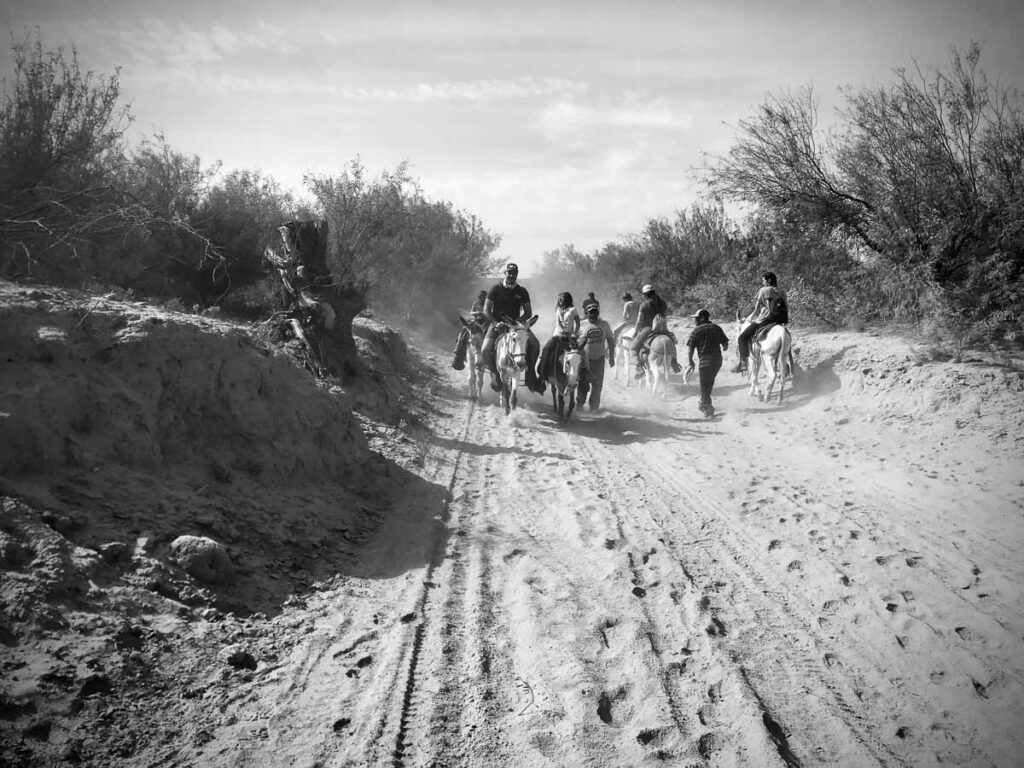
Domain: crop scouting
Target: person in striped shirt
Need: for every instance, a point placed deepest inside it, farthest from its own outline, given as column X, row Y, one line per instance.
column 709, row 341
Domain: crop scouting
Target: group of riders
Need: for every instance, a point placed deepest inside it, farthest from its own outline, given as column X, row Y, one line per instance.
column 509, row 302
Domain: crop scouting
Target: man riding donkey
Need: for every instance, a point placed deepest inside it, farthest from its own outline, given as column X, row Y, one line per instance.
column 507, row 300
column 478, row 318
column 595, row 341
column 770, row 307
column 653, row 306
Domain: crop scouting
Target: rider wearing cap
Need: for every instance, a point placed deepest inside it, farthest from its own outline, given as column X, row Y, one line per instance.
column 507, row 300
column 652, row 306
column 597, row 345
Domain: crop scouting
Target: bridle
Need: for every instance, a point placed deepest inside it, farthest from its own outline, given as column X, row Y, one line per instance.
column 516, row 346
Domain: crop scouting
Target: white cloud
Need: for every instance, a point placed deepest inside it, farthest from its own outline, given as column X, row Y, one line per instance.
column 467, row 90
column 574, row 121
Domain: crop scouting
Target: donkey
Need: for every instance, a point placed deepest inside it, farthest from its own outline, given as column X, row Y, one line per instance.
column 624, row 353
column 476, row 371
column 510, row 360
column 772, row 347
column 563, row 379
column 656, row 366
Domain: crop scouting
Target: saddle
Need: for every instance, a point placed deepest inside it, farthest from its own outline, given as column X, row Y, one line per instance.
column 646, row 348
column 547, row 362
column 762, row 332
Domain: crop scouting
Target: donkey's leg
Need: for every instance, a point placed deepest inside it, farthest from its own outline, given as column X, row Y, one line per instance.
column 754, row 369
column 770, row 375
column 782, row 372
column 506, row 393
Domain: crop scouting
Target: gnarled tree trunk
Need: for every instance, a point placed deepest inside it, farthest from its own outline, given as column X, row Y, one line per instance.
column 316, row 308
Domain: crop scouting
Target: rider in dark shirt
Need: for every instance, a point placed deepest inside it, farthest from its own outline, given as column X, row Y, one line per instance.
column 652, row 306
column 508, row 300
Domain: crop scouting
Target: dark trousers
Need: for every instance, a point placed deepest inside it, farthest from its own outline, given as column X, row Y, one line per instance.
column 743, row 342
column 638, row 343
column 461, row 344
column 592, row 382
column 706, row 374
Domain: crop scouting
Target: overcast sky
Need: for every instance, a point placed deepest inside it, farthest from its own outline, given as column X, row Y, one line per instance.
column 554, row 122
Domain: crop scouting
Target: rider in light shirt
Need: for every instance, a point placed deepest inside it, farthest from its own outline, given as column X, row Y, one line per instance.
column 596, row 342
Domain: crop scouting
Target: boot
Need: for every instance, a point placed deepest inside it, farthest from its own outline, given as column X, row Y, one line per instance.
column 740, row 367
column 459, row 362
column 676, row 367
column 639, row 372
column 534, row 384
column 495, row 382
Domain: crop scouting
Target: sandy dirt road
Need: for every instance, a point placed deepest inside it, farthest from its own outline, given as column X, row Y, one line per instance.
column 418, row 579
column 804, row 584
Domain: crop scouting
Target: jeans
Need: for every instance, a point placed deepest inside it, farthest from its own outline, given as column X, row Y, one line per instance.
column 592, row 382
column 638, row 342
column 744, row 339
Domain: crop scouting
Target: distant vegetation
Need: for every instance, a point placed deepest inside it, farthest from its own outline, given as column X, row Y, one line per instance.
column 78, row 206
column 910, row 209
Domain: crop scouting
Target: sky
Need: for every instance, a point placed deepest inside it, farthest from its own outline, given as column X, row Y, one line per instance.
column 554, row 123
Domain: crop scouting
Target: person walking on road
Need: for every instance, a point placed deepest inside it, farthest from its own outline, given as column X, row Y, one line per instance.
column 709, row 341
column 597, row 343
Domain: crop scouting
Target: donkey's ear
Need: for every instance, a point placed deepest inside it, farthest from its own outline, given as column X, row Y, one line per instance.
column 463, row 321
column 532, row 320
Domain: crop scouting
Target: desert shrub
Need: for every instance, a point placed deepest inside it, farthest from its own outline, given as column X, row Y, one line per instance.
column 239, row 214
column 60, row 139
column 925, row 175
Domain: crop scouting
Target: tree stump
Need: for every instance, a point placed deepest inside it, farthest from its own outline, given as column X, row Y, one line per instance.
column 316, row 308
